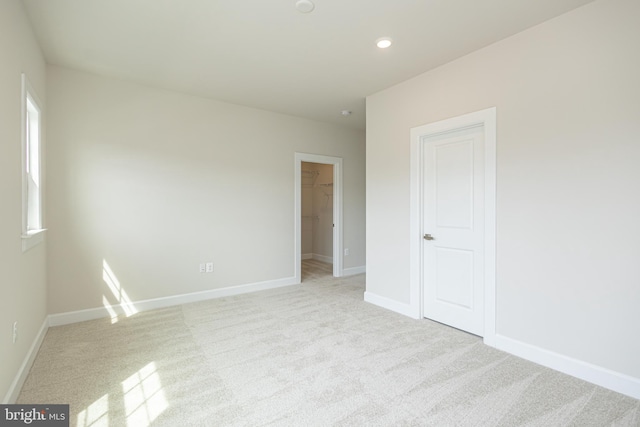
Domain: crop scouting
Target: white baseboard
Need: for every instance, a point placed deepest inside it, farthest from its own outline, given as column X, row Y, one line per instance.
column 322, row 258
column 306, row 256
column 151, row 304
column 594, row 374
column 354, row 270
column 603, row 377
column 612, row 380
column 21, row 376
column 392, row 305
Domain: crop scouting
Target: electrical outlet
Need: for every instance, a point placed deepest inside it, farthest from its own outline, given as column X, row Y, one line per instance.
column 202, row 268
column 15, row 332
column 346, row 251
column 209, row 267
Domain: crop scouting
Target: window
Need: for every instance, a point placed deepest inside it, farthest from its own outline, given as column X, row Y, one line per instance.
column 31, row 166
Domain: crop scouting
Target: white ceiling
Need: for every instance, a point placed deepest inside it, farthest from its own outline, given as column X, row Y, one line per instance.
column 265, row 54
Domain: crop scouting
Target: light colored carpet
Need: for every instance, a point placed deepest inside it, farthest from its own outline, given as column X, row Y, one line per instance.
column 313, row 355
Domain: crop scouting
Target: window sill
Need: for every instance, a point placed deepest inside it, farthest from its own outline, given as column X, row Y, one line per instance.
column 32, row 238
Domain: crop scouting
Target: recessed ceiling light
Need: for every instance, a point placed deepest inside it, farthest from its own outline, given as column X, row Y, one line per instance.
column 345, row 113
column 383, row 42
column 305, row 6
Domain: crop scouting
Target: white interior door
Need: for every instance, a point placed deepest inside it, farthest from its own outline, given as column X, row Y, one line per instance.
column 453, row 227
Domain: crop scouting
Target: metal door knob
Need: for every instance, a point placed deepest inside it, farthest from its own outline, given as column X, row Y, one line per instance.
column 428, row 237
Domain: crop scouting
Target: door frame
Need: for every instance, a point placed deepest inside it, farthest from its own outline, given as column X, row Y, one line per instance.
column 486, row 118
column 336, row 162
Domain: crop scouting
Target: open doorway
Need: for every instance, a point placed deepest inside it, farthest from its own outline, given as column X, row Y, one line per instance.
column 318, row 214
column 316, row 220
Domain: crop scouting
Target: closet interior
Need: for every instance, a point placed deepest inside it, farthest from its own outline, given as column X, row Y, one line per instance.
column 317, row 212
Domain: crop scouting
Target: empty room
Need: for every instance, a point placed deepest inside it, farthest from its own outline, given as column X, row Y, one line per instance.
column 320, row 212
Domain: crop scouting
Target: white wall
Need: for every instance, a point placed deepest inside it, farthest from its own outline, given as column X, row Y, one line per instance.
column 154, row 182
column 22, row 282
column 567, row 94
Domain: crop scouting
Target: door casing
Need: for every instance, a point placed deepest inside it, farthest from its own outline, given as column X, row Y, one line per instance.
column 486, row 118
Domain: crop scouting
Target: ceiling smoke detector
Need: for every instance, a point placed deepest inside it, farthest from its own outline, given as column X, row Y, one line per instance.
column 345, row 113
column 305, row 6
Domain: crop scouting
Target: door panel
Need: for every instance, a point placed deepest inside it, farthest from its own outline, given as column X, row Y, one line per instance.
column 453, row 213
column 454, row 277
column 454, row 187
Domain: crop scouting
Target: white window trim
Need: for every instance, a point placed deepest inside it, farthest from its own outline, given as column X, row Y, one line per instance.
column 33, row 237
